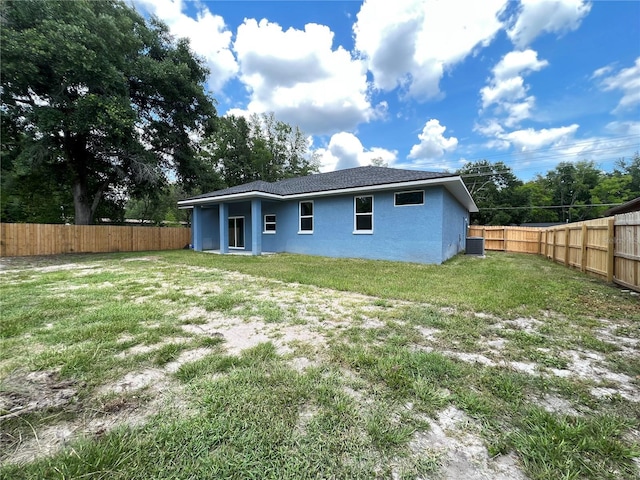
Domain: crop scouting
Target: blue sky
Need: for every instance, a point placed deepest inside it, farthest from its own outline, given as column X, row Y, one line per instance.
column 428, row 84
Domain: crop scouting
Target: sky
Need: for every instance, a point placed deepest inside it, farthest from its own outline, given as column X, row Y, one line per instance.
column 428, row 84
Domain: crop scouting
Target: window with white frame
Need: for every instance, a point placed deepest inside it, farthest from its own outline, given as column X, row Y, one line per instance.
column 306, row 217
column 363, row 210
column 269, row 223
column 415, row 197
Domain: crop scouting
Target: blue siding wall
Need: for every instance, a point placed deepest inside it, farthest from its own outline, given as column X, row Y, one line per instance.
column 408, row 233
column 210, row 233
column 286, row 214
column 454, row 226
column 428, row 233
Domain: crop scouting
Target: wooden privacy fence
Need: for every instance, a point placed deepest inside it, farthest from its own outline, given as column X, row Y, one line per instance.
column 606, row 247
column 508, row 239
column 22, row 239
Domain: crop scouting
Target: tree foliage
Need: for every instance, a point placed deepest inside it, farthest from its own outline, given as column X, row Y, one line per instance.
column 492, row 186
column 159, row 207
column 98, row 101
column 568, row 193
column 261, row 148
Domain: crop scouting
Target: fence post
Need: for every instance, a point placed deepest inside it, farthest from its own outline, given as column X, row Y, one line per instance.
column 566, row 246
column 585, row 233
column 504, row 238
column 611, row 243
column 539, row 242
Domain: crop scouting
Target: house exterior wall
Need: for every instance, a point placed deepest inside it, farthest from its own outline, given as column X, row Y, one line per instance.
column 210, row 230
column 404, row 233
column 286, row 224
column 427, row 233
column 455, row 220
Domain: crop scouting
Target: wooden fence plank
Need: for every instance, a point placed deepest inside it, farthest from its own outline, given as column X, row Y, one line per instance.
column 627, row 250
column 611, row 243
column 22, row 239
column 583, row 259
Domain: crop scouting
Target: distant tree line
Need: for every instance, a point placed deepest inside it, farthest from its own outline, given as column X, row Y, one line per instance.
column 570, row 192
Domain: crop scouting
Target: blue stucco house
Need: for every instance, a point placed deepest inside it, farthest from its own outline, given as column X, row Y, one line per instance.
column 366, row 212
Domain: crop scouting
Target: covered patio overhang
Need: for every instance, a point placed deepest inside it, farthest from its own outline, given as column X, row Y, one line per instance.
column 231, row 229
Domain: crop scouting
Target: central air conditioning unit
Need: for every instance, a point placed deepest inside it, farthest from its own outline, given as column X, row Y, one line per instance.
column 475, row 246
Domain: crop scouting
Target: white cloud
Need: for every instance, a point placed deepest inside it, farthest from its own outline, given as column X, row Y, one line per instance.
column 507, row 90
column 518, row 111
column 298, row 75
column 507, row 83
column 517, row 63
column 346, row 151
column 624, row 128
column 627, row 80
column 602, row 71
column 546, row 16
column 531, row 139
column 207, row 34
column 433, row 143
column 411, row 43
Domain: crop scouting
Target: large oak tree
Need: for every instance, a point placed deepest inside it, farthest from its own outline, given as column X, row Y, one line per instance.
column 99, row 98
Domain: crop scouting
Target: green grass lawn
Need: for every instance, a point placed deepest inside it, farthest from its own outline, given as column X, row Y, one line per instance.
column 190, row 365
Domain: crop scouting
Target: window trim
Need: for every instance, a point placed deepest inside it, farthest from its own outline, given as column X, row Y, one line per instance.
column 265, row 223
column 355, row 215
column 395, row 198
column 300, row 217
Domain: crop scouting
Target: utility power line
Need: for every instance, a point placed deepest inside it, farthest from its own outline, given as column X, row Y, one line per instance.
column 553, row 206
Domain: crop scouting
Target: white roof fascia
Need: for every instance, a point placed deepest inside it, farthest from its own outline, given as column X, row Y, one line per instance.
column 233, row 196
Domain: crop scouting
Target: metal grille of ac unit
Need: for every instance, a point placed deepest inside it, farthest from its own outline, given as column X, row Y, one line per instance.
column 475, row 246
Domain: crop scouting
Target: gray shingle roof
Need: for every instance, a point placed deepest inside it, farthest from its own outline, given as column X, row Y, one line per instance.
column 323, row 182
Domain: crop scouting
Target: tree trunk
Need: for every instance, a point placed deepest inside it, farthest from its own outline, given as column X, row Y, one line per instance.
column 82, row 204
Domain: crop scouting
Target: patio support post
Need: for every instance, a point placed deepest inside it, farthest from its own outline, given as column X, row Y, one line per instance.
column 224, row 228
column 256, row 226
column 196, row 229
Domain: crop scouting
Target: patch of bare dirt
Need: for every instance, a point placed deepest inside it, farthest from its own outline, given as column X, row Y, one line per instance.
column 453, row 437
column 585, row 365
column 148, row 258
column 305, row 415
column 302, row 363
column 588, row 365
column 629, row 346
column 22, row 393
column 186, row 357
column 128, row 401
column 238, row 335
column 554, row 404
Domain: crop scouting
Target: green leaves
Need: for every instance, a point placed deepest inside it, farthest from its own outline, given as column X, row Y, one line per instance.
column 566, row 193
column 262, row 148
column 103, row 92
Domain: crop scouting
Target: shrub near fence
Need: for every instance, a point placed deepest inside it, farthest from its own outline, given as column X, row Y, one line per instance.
column 23, row 239
column 606, row 247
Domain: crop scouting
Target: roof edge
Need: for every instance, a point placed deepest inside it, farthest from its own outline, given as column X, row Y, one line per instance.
column 459, row 191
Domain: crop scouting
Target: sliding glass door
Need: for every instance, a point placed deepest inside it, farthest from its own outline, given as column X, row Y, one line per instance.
column 236, row 232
